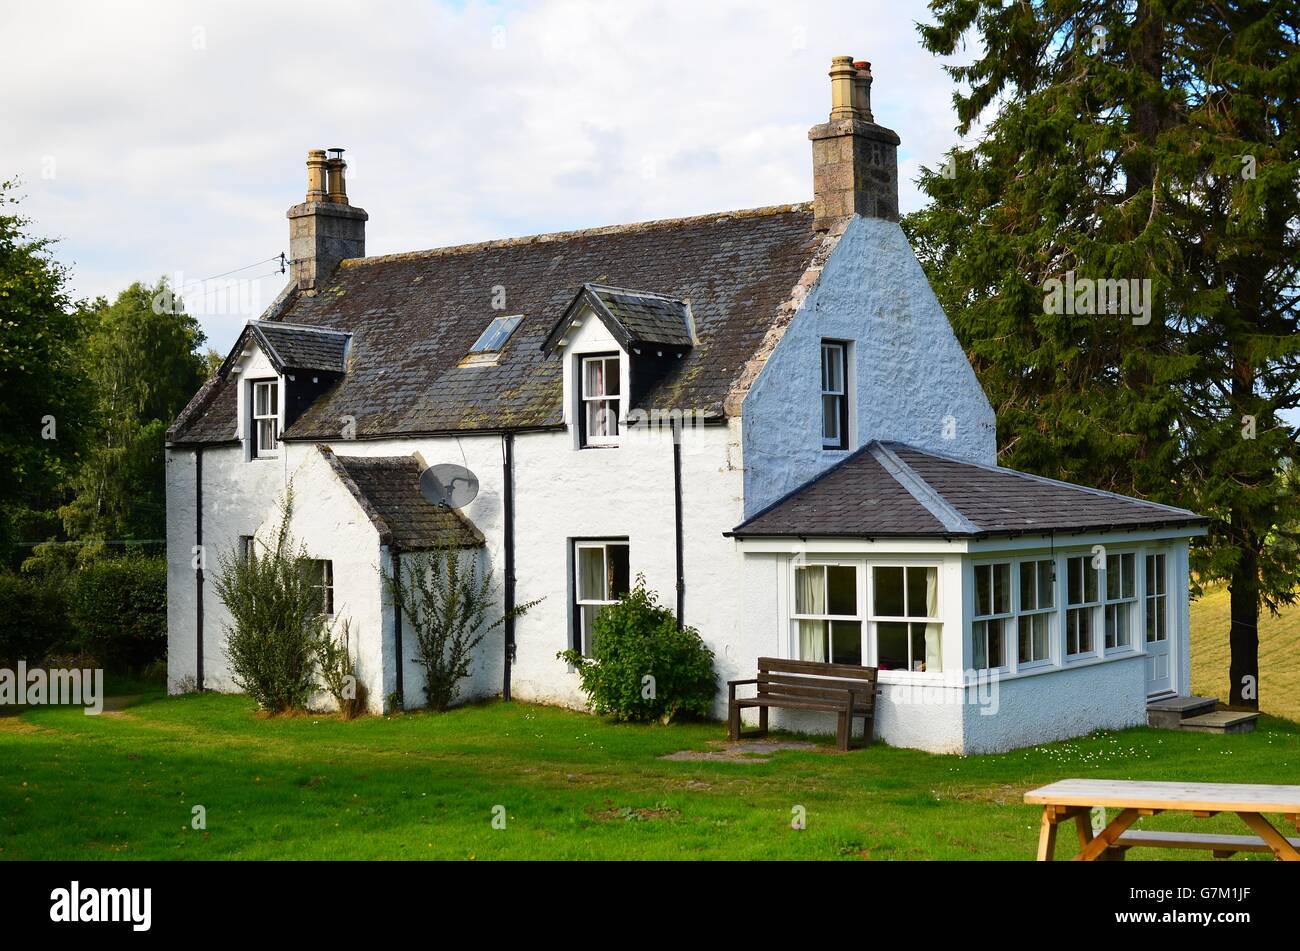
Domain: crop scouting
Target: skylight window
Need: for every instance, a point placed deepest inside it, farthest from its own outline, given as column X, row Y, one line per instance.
column 496, row 335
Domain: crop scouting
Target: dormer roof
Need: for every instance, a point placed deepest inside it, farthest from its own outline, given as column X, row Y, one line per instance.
column 634, row 318
column 293, row 346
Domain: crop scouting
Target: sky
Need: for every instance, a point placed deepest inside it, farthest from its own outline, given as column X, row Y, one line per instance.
column 169, row 138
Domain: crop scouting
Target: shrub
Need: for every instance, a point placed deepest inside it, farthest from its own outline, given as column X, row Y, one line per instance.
column 276, row 619
column 447, row 600
column 337, row 672
column 636, row 639
column 33, row 619
column 118, row 609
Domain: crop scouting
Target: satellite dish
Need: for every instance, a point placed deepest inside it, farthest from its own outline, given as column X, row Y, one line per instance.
column 449, row 485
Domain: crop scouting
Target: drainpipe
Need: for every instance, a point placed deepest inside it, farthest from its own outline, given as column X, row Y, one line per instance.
column 508, row 546
column 397, row 624
column 198, row 570
column 677, row 518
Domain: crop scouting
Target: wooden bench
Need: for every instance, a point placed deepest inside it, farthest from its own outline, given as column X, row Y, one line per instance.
column 846, row 690
column 1075, row 798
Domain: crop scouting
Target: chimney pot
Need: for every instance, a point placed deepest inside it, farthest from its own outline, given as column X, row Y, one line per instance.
column 324, row 229
column 842, row 74
column 855, row 161
column 316, row 175
column 338, row 187
column 862, row 91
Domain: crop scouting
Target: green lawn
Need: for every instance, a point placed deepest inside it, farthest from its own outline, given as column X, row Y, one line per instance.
column 1279, row 654
column 123, row 785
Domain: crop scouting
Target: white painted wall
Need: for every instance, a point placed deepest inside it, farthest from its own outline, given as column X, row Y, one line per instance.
column 909, row 372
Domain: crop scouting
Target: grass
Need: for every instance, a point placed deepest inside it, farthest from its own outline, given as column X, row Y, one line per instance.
column 1279, row 653
column 124, row 785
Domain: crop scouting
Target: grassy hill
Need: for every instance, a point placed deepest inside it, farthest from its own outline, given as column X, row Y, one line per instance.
column 1279, row 654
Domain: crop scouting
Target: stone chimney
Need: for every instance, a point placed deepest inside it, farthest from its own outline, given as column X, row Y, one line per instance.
column 324, row 229
column 855, row 161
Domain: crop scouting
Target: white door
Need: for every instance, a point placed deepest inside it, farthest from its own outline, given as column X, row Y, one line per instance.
column 1160, row 666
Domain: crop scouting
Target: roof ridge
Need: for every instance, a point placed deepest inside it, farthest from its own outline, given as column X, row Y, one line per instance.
column 653, row 224
column 930, row 498
column 1038, row 478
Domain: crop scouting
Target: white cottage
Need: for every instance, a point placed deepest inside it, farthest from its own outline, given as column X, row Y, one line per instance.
column 763, row 412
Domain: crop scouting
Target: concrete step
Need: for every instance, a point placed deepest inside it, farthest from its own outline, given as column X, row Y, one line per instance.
column 1170, row 712
column 1221, row 721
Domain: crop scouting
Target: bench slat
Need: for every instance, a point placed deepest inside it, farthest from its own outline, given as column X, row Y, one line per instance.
column 795, row 703
column 1197, row 840
column 849, row 671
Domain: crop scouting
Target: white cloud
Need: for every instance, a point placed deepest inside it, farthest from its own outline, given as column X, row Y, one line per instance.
column 178, row 131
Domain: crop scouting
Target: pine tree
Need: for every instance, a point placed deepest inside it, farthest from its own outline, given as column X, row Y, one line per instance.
column 1145, row 140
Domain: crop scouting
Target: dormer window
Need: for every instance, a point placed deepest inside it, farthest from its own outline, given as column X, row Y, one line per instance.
column 266, row 419
column 600, row 401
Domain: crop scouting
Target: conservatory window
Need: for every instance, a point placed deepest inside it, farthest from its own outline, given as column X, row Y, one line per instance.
column 993, row 619
column 1083, row 592
column 827, row 620
column 1157, row 599
column 904, row 615
column 1037, row 605
column 1121, row 600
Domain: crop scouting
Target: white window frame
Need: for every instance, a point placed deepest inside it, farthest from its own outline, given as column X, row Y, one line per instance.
column 1089, row 609
column 326, row 585
column 1158, row 599
column 980, row 623
column 1049, row 612
column 875, row 620
column 590, row 439
column 273, row 417
column 841, row 395
column 1111, row 605
column 796, row 650
column 581, row 635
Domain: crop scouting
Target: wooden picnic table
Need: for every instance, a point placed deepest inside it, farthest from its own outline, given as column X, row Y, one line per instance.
column 1075, row 799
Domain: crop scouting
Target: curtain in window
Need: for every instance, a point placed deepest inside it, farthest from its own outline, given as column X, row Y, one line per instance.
column 933, row 632
column 591, row 574
column 811, row 599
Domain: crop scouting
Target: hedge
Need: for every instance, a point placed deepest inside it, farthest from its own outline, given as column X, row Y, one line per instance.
column 118, row 610
column 33, row 620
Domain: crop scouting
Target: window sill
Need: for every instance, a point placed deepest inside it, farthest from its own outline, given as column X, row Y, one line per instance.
column 896, row 676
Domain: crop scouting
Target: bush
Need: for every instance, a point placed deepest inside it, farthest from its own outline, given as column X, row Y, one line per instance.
column 277, row 620
column 118, row 609
column 637, row 639
column 446, row 599
column 33, row 620
column 338, row 674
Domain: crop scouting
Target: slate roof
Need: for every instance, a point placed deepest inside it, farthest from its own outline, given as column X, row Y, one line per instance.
column 888, row 490
column 293, row 347
column 635, row 318
column 388, row 489
column 413, row 318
